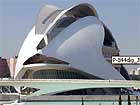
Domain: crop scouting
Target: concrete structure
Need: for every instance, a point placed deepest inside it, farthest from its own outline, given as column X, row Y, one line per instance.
column 7, row 67
column 135, row 73
column 44, row 86
column 69, row 44
column 4, row 68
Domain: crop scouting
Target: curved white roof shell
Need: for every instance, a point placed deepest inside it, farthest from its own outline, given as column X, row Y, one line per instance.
column 79, row 44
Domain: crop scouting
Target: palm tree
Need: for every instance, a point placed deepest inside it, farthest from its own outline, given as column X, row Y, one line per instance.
column 120, row 100
column 82, row 101
column 129, row 101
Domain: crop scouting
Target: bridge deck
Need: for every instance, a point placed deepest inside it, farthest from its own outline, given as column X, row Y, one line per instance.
column 56, row 85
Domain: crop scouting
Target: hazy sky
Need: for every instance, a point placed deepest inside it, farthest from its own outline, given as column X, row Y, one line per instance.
column 122, row 17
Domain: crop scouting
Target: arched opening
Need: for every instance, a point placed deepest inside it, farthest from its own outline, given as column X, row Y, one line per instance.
column 57, row 71
column 57, row 74
column 61, row 25
column 69, row 17
column 38, row 58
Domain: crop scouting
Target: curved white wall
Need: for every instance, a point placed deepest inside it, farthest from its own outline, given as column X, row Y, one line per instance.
column 28, row 49
column 80, row 44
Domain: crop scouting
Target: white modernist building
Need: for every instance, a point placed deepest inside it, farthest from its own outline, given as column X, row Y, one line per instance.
column 69, row 44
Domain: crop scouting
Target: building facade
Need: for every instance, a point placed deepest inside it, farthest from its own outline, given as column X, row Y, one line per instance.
column 135, row 73
column 4, row 68
column 7, row 67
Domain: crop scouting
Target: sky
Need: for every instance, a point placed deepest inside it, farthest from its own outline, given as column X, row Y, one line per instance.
column 122, row 17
